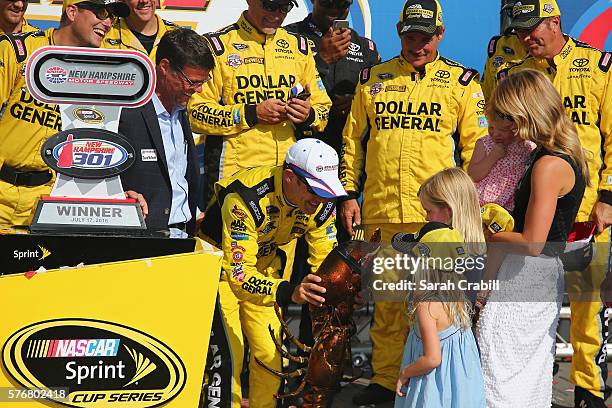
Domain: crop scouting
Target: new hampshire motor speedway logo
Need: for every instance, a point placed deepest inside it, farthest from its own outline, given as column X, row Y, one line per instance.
column 88, row 153
column 56, row 75
column 100, row 363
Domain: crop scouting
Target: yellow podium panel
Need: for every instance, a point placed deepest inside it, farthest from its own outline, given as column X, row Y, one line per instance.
column 124, row 334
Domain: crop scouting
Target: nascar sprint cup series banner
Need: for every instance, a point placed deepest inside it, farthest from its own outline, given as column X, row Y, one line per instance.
column 130, row 334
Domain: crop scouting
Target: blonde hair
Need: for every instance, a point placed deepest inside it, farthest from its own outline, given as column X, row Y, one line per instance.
column 454, row 189
column 457, row 307
column 530, row 100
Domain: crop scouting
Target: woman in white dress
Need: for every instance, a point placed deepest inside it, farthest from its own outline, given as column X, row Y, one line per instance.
column 517, row 326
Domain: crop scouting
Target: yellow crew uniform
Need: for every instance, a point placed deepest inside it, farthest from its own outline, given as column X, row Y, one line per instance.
column 121, row 37
column 250, row 68
column 25, row 124
column 25, row 27
column 501, row 51
column 412, row 124
column 250, row 219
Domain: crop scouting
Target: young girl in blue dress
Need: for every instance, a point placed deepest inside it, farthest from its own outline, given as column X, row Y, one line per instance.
column 441, row 365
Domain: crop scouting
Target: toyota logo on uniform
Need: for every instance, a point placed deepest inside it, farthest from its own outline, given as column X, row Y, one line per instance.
column 56, row 75
column 283, row 44
column 580, row 62
column 442, row 74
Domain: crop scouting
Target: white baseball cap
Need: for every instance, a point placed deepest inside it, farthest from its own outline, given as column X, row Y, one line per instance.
column 316, row 162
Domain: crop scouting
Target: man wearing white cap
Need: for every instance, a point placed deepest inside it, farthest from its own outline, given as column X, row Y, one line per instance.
column 251, row 215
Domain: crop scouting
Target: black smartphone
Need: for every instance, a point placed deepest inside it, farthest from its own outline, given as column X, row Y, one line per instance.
column 340, row 24
column 303, row 95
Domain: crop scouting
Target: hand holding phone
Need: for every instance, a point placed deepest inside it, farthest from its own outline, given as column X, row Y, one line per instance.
column 299, row 92
column 303, row 95
column 340, row 24
column 335, row 42
column 298, row 105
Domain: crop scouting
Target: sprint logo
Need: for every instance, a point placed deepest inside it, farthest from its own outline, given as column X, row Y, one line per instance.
column 40, row 253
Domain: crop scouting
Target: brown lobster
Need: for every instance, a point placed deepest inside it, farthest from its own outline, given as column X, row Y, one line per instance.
column 332, row 325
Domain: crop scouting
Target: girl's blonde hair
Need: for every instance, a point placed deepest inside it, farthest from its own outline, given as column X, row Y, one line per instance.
column 453, row 299
column 454, row 189
column 530, row 100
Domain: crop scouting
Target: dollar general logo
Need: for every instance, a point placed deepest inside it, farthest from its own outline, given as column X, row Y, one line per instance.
column 40, row 253
column 98, row 362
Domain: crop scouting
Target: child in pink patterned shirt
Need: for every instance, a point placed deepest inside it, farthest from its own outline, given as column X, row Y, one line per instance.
column 498, row 163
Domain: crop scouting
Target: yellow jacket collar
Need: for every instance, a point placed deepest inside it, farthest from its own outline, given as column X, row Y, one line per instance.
column 132, row 41
column 49, row 34
column 278, row 186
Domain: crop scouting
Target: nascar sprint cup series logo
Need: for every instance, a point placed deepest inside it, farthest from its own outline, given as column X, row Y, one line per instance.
column 99, row 363
column 88, row 153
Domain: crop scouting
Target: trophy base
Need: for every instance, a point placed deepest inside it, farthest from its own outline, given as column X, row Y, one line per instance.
column 87, row 216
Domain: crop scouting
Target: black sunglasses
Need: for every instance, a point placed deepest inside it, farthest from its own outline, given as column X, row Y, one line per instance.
column 100, row 12
column 336, row 4
column 273, row 6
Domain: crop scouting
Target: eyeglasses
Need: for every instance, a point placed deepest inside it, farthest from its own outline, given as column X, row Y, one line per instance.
column 101, row 13
column 336, row 4
column 503, row 116
column 192, row 84
column 273, row 6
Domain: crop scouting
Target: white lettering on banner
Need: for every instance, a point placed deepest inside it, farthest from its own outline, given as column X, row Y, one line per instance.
column 17, row 254
column 101, row 371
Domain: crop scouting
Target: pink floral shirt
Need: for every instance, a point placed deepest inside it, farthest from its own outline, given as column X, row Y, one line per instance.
column 501, row 182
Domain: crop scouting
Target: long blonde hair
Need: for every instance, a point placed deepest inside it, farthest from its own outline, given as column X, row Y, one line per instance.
column 456, row 305
column 530, row 100
column 454, row 189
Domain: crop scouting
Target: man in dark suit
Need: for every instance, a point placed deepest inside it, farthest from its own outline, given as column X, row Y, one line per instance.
column 166, row 171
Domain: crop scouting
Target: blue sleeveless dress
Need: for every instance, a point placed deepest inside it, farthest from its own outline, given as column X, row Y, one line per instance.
column 455, row 383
